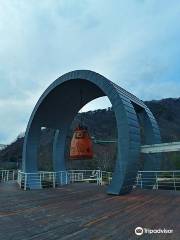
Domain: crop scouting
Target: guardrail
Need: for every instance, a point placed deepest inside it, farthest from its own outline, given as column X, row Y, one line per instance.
column 106, row 177
column 169, row 180
column 85, row 176
column 42, row 179
column 8, row 175
column 145, row 179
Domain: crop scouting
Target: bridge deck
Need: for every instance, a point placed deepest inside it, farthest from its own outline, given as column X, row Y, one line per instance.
column 84, row 211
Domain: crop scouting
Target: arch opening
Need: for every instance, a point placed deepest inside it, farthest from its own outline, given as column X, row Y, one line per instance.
column 101, row 124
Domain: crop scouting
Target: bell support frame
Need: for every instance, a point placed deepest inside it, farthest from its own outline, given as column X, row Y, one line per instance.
column 57, row 108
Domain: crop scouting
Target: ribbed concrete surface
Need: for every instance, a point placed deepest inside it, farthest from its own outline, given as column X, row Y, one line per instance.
column 85, row 211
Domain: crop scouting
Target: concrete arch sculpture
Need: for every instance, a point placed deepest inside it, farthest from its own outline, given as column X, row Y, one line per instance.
column 57, row 108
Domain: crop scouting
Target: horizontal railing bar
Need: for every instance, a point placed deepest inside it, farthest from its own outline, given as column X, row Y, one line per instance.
column 155, row 179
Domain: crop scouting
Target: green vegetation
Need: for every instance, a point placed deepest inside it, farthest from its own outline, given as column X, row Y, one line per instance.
column 102, row 125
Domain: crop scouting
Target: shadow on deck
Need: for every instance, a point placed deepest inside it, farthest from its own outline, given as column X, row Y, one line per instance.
column 85, row 211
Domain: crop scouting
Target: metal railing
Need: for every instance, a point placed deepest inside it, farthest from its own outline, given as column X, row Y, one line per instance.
column 169, row 180
column 42, row 179
column 145, row 179
column 8, row 175
column 45, row 179
column 106, row 177
column 85, row 176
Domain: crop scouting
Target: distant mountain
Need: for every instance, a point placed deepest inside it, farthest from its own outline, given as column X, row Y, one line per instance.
column 167, row 113
column 102, row 125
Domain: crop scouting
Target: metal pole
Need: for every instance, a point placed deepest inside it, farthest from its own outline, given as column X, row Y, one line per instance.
column 174, row 182
column 61, row 178
column 20, row 179
column 40, row 179
column 157, row 186
column 7, row 176
column 54, row 180
column 25, row 181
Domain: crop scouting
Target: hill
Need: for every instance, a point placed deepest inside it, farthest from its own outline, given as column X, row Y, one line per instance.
column 102, row 125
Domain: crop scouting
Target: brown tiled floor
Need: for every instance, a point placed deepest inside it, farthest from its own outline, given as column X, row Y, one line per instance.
column 85, row 211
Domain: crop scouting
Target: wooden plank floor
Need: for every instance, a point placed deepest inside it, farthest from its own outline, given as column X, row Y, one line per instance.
column 85, row 211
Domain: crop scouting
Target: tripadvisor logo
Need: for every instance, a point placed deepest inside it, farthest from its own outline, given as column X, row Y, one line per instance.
column 139, row 231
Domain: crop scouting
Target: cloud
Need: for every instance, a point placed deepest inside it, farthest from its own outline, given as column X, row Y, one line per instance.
column 133, row 43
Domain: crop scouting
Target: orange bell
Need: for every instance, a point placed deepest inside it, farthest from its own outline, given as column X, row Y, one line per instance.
column 81, row 144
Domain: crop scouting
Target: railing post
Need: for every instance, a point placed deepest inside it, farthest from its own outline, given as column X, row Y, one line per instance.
column 75, row 177
column 109, row 177
column 101, row 177
column 174, row 181
column 61, row 177
column 2, row 176
column 141, row 180
column 157, row 185
column 66, row 177
column 25, row 181
column 7, row 175
column 72, row 177
column 13, row 175
column 40, row 179
column 54, row 180
column 97, row 177
column 20, row 179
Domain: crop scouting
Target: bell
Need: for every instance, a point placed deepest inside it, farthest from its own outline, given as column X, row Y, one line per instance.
column 81, row 144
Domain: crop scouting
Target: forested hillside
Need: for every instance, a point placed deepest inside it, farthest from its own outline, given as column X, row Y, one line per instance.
column 102, row 125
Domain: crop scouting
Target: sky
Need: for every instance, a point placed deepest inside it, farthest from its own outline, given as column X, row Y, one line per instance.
column 134, row 43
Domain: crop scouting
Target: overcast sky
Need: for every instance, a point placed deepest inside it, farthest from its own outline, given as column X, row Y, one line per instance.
column 134, row 43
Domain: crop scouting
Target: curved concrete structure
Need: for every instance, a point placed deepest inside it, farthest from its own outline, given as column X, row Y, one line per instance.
column 60, row 103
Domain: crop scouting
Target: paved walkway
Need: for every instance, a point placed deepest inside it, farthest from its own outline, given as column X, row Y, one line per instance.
column 85, row 211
